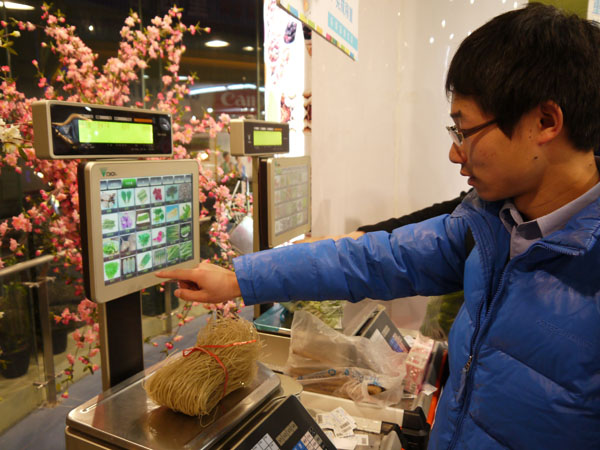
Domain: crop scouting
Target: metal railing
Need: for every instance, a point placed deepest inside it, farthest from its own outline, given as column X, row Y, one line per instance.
column 41, row 284
column 42, row 266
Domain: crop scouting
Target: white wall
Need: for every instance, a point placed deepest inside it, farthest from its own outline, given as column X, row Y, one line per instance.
column 379, row 147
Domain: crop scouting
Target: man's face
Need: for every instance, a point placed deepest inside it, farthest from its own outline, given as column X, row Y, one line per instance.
column 496, row 166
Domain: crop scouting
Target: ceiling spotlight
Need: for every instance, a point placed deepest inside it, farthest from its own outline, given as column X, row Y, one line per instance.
column 248, row 48
column 13, row 5
column 216, row 43
column 91, row 28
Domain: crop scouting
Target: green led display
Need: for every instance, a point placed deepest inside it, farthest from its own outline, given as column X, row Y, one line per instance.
column 103, row 132
column 267, row 137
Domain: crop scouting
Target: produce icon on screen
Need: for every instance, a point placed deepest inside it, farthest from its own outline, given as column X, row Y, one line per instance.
column 173, row 253
column 142, row 196
column 172, row 234
column 126, row 197
column 185, row 250
column 129, row 265
column 108, row 199
column 126, row 221
column 110, row 247
column 128, row 243
column 185, row 230
column 186, row 212
column 158, row 215
column 172, row 193
column 185, row 191
column 143, row 217
column 144, row 239
column 172, row 213
column 108, row 225
column 144, row 262
column 111, row 269
column 159, row 237
column 157, row 193
column 160, row 257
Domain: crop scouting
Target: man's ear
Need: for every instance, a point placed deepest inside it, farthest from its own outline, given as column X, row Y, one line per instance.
column 550, row 121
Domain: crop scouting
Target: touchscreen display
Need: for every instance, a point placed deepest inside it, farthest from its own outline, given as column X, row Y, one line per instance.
column 291, row 198
column 146, row 224
column 288, row 198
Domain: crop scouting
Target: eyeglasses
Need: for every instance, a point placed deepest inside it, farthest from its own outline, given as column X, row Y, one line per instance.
column 459, row 135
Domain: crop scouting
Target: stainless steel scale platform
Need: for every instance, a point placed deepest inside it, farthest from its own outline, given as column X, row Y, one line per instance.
column 124, row 417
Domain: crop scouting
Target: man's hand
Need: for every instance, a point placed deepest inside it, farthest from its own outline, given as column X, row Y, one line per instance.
column 206, row 283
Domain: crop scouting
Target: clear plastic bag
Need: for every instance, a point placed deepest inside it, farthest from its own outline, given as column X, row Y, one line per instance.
column 327, row 361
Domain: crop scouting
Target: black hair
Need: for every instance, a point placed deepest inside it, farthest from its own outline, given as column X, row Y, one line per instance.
column 525, row 57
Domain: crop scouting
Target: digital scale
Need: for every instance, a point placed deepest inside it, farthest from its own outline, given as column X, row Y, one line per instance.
column 138, row 217
column 266, row 415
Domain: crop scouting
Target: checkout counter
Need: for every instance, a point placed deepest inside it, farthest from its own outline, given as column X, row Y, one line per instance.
column 272, row 413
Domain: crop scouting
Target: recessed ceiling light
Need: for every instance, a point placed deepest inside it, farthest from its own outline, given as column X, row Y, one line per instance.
column 216, row 43
column 248, row 48
column 13, row 5
column 91, row 28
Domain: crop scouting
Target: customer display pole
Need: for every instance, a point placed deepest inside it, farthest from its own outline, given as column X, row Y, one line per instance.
column 121, row 342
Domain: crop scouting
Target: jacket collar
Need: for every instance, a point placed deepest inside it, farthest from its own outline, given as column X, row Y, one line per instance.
column 580, row 233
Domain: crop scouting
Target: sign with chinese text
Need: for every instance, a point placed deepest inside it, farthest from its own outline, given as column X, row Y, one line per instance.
column 335, row 20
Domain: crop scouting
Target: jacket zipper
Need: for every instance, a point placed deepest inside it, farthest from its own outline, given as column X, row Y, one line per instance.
column 466, row 370
column 467, row 367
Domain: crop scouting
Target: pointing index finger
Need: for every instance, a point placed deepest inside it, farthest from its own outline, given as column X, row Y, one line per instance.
column 179, row 274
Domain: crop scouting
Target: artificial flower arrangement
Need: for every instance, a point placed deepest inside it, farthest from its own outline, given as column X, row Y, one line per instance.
column 53, row 215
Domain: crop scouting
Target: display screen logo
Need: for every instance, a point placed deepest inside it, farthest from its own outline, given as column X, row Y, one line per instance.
column 107, row 173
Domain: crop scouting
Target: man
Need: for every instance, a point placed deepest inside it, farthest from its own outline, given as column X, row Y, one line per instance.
column 524, row 350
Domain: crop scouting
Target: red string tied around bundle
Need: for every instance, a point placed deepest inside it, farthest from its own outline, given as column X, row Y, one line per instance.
column 203, row 348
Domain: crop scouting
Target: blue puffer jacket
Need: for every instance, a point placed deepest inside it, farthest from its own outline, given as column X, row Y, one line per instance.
column 524, row 350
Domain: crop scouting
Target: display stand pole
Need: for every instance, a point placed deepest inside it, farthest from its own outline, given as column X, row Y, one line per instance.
column 255, row 205
column 260, row 236
column 121, row 342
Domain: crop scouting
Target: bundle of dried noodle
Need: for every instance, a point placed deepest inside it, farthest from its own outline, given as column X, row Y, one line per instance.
column 194, row 384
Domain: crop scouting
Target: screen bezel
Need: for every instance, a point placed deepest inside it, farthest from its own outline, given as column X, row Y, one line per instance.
column 91, row 219
column 272, row 165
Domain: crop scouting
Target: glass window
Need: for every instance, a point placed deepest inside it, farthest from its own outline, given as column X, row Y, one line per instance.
column 227, row 63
